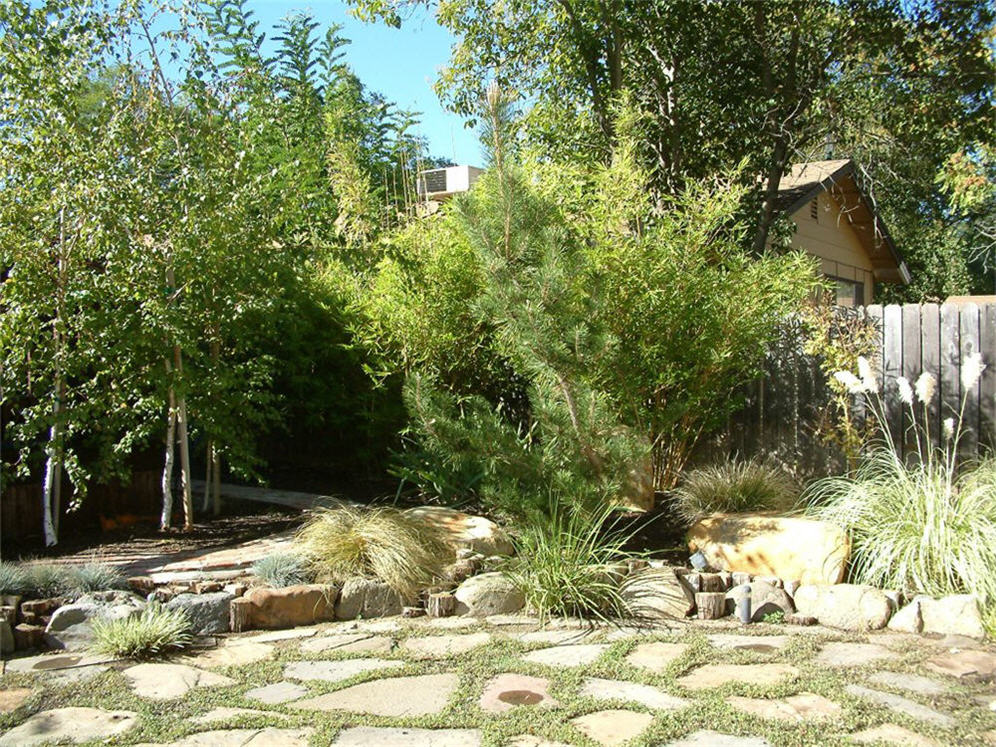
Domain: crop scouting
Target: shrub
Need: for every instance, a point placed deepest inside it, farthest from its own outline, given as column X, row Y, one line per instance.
column 734, row 487
column 282, row 569
column 93, row 577
column 403, row 551
column 155, row 631
column 12, row 578
column 44, row 579
column 563, row 563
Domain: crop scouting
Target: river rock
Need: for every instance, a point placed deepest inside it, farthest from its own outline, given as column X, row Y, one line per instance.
column 845, row 606
column 290, row 606
column 657, row 593
column 208, row 613
column 488, row 594
column 807, row 550
column 366, row 598
column 907, row 619
column 465, row 530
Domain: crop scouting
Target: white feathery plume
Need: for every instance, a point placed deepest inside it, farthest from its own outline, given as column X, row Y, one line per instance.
column 971, row 369
column 948, row 428
column 851, row 382
column 905, row 390
column 925, row 386
column 868, row 380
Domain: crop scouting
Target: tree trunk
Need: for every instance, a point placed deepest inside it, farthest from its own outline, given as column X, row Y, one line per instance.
column 216, row 477
column 53, row 470
column 208, row 482
column 167, row 517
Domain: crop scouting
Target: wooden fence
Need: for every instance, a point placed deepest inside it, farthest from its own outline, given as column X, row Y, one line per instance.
column 785, row 410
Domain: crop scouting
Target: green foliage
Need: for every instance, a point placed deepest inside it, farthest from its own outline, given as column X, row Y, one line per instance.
column 734, row 487
column 12, row 578
column 156, row 631
column 563, row 563
column 93, row 577
column 399, row 549
column 281, row 569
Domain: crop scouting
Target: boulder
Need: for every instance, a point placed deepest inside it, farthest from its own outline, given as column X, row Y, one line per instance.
column 208, row 613
column 488, row 594
column 957, row 614
column 810, row 551
column 845, row 606
column 765, row 599
column 466, row 531
column 289, row 607
column 658, row 593
column 366, row 598
column 71, row 626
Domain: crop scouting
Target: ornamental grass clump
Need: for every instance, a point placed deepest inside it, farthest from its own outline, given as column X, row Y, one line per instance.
column 923, row 524
column 93, row 577
column 12, row 579
column 563, row 563
column 734, row 487
column 392, row 546
column 45, row 580
column 282, row 569
column 156, row 631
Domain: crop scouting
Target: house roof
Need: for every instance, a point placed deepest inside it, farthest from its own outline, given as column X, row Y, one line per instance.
column 805, row 181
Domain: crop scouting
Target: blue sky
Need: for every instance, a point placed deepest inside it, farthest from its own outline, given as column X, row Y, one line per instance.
column 401, row 63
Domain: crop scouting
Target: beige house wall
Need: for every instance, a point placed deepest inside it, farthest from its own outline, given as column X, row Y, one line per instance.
column 830, row 237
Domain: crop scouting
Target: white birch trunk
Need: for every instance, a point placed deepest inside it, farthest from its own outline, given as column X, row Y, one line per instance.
column 167, row 517
column 52, row 468
column 216, row 474
column 188, row 501
column 206, row 503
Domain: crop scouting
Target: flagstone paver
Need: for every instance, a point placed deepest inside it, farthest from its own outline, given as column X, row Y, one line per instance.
column 646, row 695
column 278, row 692
column 901, row 705
column 557, row 637
column 509, row 690
column 69, row 724
column 893, row 734
column 170, row 681
column 715, row 675
column 75, row 674
column 350, row 643
column 373, row 736
column 966, row 664
column 798, row 708
column 231, row 655
column 224, row 713
column 443, row 646
column 55, row 662
column 759, row 643
column 451, row 623
column 844, row 654
column 395, row 696
column 707, row 738
column 336, row 671
column 914, row 683
column 12, row 698
column 268, row 737
column 500, row 620
column 567, row 656
column 614, row 727
column 656, row 656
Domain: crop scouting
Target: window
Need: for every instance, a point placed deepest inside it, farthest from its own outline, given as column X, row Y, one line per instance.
column 850, row 293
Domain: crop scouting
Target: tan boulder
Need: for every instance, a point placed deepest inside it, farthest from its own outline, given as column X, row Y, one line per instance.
column 657, row 593
column 845, row 606
column 465, row 530
column 805, row 550
column 289, row 607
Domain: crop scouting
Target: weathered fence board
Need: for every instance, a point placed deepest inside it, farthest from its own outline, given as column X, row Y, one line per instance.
column 784, row 408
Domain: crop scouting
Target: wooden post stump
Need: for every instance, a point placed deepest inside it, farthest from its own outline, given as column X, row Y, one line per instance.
column 711, row 605
column 712, row 582
column 239, row 614
column 440, row 605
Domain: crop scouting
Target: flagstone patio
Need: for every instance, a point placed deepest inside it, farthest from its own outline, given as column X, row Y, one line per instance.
column 404, row 683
